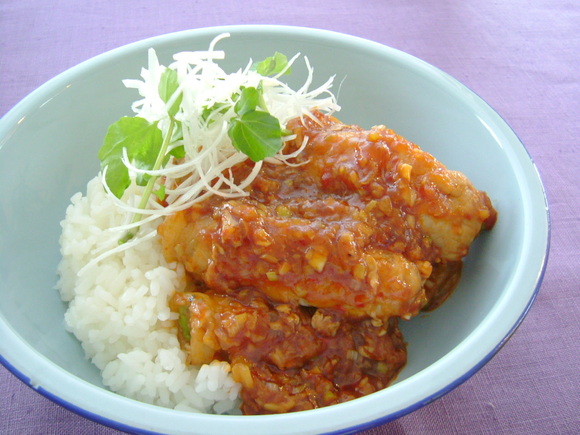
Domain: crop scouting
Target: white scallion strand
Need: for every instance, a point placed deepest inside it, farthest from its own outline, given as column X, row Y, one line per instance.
column 203, row 84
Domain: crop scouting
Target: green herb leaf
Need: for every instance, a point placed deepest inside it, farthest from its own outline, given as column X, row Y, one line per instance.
column 117, row 177
column 249, row 99
column 140, row 138
column 272, row 65
column 257, row 134
column 142, row 179
column 160, row 193
column 168, row 85
column 220, row 108
column 161, row 157
column 178, row 152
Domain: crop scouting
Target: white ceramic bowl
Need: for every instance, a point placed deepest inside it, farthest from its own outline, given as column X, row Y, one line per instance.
column 48, row 146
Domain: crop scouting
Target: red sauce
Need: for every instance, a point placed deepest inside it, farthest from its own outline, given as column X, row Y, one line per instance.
column 300, row 284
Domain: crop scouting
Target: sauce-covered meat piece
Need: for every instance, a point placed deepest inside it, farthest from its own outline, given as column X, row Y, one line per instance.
column 357, row 225
column 329, row 261
column 300, row 284
column 287, row 357
column 379, row 165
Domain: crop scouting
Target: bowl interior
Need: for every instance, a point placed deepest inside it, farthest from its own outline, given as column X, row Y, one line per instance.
column 48, row 147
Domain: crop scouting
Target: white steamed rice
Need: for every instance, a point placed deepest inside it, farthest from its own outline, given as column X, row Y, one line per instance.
column 118, row 309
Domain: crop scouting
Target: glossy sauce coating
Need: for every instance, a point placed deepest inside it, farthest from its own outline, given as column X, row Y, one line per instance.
column 364, row 229
column 289, row 358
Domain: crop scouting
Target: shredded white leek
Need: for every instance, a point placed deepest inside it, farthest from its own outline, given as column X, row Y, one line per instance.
column 209, row 153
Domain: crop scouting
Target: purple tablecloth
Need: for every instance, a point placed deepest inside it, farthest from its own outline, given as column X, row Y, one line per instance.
column 522, row 57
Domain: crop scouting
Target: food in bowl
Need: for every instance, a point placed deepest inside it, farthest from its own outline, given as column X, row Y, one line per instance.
column 290, row 245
